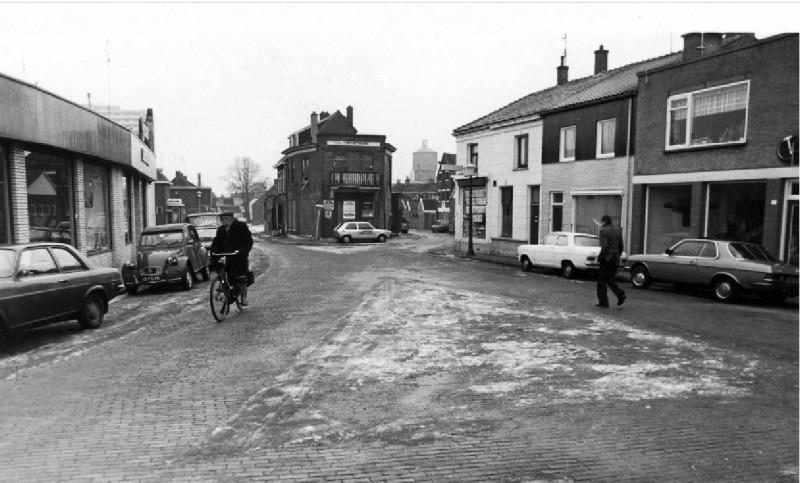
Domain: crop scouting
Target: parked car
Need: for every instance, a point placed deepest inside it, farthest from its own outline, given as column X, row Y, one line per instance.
column 44, row 283
column 403, row 225
column 206, row 225
column 440, row 226
column 359, row 230
column 728, row 268
column 569, row 252
column 167, row 254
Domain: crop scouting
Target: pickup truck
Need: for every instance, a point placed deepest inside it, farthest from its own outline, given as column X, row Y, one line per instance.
column 567, row 252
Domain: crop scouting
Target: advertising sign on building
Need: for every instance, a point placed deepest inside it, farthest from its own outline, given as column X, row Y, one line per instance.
column 349, row 210
column 174, row 202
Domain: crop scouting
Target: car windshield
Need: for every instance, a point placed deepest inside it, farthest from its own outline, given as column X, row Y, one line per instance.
column 164, row 238
column 207, row 233
column 204, row 220
column 586, row 241
column 748, row 251
column 7, row 262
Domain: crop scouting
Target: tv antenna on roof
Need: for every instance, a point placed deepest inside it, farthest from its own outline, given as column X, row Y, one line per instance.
column 565, row 48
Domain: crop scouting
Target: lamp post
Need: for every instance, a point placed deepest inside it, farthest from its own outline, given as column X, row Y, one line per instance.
column 470, row 170
column 199, row 196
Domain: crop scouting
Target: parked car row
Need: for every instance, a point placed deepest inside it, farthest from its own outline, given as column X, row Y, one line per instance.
column 729, row 269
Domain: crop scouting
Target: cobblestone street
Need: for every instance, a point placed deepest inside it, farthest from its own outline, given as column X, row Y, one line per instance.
column 385, row 362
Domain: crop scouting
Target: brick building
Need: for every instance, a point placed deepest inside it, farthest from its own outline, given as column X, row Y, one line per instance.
column 710, row 130
column 328, row 162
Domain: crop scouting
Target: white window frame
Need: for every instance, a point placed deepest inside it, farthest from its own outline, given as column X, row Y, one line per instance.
column 600, row 127
column 562, row 143
column 689, row 98
column 521, row 151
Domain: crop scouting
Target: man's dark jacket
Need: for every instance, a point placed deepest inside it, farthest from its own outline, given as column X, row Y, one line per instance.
column 611, row 244
column 237, row 238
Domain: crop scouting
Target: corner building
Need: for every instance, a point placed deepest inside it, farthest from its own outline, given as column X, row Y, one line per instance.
column 329, row 164
column 70, row 175
column 713, row 138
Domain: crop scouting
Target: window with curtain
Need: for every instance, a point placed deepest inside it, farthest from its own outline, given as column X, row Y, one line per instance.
column 472, row 152
column 708, row 117
column 521, row 151
column 606, row 134
column 567, row 144
column 507, row 204
column 590, row 208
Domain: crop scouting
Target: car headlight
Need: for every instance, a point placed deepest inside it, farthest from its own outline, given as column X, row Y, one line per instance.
column 172, row 260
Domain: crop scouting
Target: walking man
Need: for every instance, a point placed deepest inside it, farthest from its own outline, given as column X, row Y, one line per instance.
column 611, row 248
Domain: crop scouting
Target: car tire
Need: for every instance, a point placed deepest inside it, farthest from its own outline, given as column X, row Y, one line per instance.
column 132, row 289
column 92, row 311
column 640, row 277
column 527, row 266
column 187, row 279
column 205, row 274
column 381, row 238
column 726, row 289
column 346, row 239
column 568, row 270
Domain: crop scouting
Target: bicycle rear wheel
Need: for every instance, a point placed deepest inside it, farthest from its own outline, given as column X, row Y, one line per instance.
column 219, row 296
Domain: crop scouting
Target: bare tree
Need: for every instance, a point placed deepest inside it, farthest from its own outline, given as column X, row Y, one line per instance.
column 244, row 177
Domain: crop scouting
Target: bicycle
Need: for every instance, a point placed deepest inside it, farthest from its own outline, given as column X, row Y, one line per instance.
column 223, row 293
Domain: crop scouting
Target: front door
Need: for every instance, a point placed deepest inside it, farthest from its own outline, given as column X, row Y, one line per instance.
column 533, row 235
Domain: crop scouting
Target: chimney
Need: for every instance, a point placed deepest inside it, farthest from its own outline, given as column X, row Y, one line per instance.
column 600, row 60
column 712, row 42
column 562, row 72
column 314, row 126
column 199, row 184
column 151, row 129
column 698, row 44
column 408, row 180
column 350, row 114
column 424, row 143
column 323, row 115
column 89, row 97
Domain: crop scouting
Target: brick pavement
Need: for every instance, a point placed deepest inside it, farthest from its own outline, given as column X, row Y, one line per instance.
column 297, row 393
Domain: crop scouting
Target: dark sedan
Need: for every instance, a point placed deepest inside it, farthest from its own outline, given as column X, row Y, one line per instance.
column 728, row 268
column 167, row 254
column 44, row 283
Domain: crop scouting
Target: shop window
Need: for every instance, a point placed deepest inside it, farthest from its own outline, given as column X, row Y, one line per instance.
column 126, row 208
column 668, row 216
column 5, row 208
column 367, row 210
column 48, row 180
column 707, row 117
column 95, row 192
column 736, row 211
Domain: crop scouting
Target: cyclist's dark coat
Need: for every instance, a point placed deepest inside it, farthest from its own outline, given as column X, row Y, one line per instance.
column 238, row 238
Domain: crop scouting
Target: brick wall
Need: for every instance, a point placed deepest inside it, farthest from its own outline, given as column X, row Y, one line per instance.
column 19, row 195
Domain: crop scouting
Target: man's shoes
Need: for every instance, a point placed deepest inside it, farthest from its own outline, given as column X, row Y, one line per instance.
column 621, row 299
column 602, row 305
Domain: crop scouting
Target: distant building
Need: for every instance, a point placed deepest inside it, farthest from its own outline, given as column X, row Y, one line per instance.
column 329, row 164
column 423, row 164
column 417, row 202
column 444, row 189
column 137, row 121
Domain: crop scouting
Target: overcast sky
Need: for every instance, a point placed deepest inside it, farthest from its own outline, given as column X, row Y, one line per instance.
column 231, row 80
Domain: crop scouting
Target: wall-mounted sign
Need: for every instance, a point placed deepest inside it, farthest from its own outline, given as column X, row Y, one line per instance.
column 349, row 210
column 328, row 204
column 174, row 202
column 367, row 144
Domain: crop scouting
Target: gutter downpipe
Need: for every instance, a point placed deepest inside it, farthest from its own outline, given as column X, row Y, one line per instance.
column 629, row 163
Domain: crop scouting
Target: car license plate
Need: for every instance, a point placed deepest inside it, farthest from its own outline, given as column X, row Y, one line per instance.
column 151, row 278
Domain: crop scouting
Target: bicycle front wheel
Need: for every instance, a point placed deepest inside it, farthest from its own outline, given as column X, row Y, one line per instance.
column 220, row 294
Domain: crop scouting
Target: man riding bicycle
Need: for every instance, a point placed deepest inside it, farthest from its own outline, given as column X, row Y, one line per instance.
column 234, row 235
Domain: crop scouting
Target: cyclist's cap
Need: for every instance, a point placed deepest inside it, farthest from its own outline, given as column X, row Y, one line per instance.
column 226, row 213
